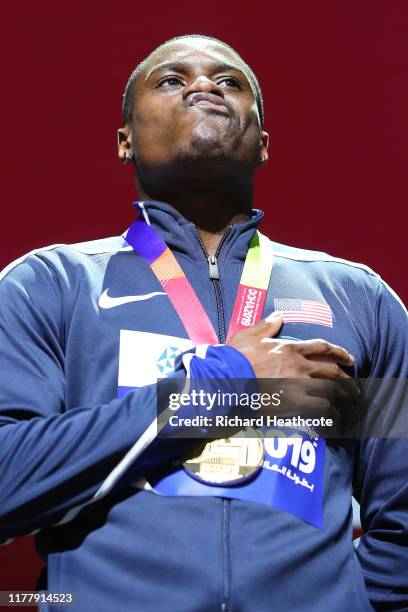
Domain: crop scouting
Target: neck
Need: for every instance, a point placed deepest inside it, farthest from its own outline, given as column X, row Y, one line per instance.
column 212, row 204
column 212, row 238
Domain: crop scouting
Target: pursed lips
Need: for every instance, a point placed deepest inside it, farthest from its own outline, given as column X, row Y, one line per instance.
column 208, row 100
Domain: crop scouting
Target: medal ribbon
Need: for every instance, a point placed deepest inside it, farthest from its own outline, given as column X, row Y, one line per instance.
column 251, row 293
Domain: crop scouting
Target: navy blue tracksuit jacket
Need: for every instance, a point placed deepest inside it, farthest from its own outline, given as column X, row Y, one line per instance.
column 75, row 460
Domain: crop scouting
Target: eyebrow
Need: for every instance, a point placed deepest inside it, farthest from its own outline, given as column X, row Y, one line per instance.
column 181, row 67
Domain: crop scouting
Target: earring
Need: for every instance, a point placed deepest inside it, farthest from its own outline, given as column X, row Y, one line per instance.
column 262, row 159
column 128, row 158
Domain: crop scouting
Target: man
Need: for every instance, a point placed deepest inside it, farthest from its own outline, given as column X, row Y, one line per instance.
column 87, row 329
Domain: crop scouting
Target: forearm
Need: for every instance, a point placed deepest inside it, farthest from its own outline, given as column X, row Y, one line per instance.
column 50, row 465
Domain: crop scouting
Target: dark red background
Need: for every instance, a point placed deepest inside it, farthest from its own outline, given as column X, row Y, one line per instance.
column 334, row 76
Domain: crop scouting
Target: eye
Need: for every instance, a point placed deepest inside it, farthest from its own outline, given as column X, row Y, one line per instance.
column 229, row 82
column 170, row 81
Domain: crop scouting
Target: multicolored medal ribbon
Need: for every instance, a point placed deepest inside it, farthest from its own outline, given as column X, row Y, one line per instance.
column 247, row 310
column 169, row 273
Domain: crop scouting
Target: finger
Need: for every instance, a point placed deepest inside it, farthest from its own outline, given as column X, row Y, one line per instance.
column 265, row 328
column 326, row 349
column 344, row 389
column 315, row 405
column 322, row 369
column 269, row 327
column 306, row 406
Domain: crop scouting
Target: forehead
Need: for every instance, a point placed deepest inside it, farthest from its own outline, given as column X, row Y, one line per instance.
column 182, row 49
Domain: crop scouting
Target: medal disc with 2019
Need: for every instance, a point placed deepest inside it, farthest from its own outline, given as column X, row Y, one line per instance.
column 281, row 468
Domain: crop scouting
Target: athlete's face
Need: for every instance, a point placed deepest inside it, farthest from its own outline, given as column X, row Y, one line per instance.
column 193, row 100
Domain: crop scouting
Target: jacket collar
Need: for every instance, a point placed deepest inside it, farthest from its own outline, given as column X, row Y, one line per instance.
column 181, row 235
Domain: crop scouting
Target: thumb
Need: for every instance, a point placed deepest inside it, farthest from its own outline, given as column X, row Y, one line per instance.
column 270, row 326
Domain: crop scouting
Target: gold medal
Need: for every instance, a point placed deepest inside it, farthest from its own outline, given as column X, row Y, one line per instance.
column 229, row 461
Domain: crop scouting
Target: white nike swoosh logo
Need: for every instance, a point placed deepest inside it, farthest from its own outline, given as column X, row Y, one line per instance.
column 105, row 301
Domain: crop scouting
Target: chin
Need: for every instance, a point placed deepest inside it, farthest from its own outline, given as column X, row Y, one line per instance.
column 206, row 138
column 203, row 149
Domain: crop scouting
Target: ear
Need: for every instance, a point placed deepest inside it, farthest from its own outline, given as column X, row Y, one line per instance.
column 263, row 148
column 125, row 150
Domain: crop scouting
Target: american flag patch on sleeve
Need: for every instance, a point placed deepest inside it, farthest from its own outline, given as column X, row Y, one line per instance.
column 304, row 311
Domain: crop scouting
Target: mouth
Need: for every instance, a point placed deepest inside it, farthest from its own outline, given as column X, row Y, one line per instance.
column 209, row 101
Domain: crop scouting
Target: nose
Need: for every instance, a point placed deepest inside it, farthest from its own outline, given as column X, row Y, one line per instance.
column 203, row 84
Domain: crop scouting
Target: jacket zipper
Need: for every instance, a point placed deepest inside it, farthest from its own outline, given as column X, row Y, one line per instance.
column 214, row 275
